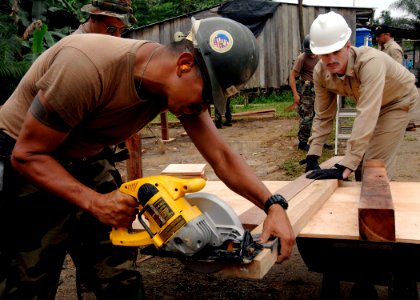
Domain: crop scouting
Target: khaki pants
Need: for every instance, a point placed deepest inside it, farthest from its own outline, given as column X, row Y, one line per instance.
column 389, row 134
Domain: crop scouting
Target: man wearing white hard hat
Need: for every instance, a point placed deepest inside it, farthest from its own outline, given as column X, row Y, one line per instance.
column 384, row 92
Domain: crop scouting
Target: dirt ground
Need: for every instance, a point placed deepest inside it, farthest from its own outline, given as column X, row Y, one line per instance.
column 268, row 145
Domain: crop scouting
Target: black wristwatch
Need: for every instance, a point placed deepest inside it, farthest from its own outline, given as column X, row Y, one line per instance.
column 275, row 199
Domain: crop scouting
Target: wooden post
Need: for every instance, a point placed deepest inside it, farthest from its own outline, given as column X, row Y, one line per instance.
column 134, row 163
column 376, row 209
column 164, row 126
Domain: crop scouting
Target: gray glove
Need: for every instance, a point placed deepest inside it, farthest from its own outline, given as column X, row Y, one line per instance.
column 334, row 173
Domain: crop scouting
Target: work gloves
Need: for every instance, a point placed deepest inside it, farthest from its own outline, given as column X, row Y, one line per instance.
column 311, row 162
column 334, row 173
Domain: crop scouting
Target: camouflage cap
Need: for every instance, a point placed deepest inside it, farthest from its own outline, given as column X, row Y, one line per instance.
column 120, row 9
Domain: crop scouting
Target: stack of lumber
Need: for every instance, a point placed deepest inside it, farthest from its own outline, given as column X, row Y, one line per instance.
column 374, row 210
column 185, row 170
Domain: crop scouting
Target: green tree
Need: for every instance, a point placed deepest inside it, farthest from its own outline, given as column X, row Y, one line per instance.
column 411, row 18
column 412, row 9
column 27, row 28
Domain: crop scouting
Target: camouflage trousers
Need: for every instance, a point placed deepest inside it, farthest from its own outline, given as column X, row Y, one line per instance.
column 306, row 113
column 39, row 229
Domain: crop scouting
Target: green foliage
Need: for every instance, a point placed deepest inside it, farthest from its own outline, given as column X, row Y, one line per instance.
column 292, row 167
column 38, row 40
column 151, row 11
column 284, row 96
column 16, row 20
column 278, row 101
column 14, row 62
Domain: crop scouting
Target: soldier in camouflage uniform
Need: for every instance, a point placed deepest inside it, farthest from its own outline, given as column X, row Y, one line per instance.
column 58, row 182
column 303, row 92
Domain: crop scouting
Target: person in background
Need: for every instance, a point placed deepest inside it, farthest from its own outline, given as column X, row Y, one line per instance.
column 111, row 17
column 405, row 61
column 303, row 93
column 387, row 44
column 90, row 91
column 114, row 18
column 390, row 47
column 383, row 89
column 410, row 64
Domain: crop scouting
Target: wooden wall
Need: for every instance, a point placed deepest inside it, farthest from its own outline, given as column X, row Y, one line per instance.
column 279, row 42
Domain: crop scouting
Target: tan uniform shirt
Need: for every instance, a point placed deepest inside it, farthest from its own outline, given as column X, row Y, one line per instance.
column 374, row 80
column 88, row 80
column 394, row 50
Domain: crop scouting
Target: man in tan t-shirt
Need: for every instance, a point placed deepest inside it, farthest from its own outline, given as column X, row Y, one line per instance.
column 87, row 92
column 383, row 89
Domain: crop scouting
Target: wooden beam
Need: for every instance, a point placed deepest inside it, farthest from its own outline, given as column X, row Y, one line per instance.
column 376, row 209
column 255, row 216
column 164, row 126
column 301, row 208
column 185, row 170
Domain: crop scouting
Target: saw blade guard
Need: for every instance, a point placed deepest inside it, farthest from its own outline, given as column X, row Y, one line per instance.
column 219, row 215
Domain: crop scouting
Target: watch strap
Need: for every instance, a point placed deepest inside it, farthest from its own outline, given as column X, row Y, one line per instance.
column 275, row 199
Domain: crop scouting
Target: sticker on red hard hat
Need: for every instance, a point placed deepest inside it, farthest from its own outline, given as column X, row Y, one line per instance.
column 221, row 41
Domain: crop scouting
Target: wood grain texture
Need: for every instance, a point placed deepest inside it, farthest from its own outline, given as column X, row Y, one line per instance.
column 338, row 217
column 255, row 216
column 376, row 209
column 301, row 209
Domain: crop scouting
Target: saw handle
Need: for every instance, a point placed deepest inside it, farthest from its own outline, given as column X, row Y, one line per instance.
column 176, row 187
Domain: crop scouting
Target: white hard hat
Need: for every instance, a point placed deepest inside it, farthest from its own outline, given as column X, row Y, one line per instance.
column 329, row 32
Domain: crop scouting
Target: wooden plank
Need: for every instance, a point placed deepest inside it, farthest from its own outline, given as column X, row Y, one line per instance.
column 255, row 112
column 376, row 209
column 164, row 126
column 184, row 170
column 237, row 202
column 255, row 216
column 338, row 217
column 301, row 209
